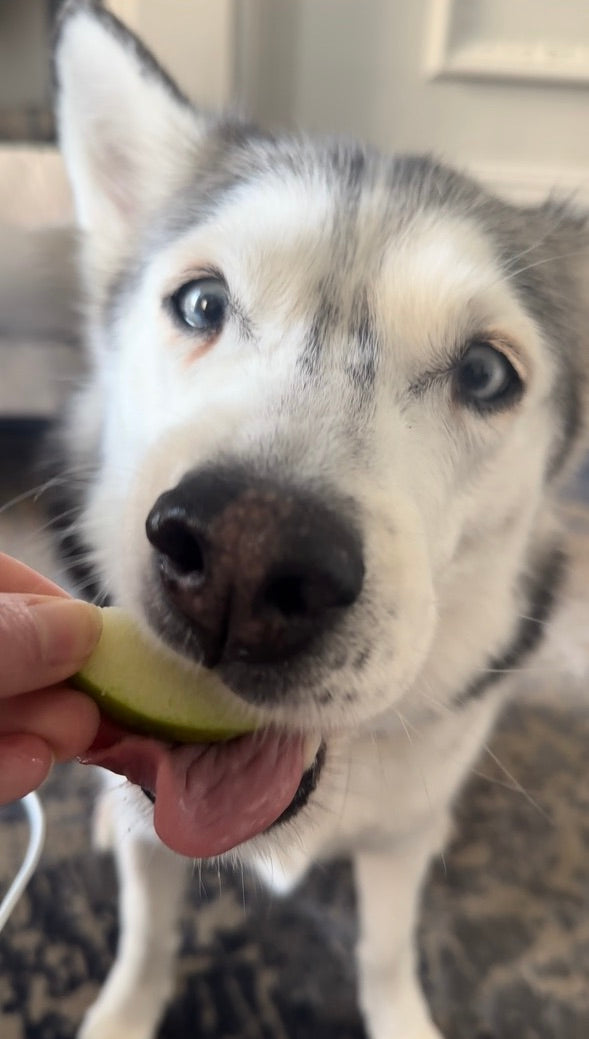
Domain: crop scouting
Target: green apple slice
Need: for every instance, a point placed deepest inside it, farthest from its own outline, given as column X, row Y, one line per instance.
column 149, row 690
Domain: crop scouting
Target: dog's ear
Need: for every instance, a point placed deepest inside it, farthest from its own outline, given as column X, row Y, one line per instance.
column 127, row 134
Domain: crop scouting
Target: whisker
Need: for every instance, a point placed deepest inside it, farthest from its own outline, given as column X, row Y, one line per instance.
column 43, row 527
column 546, row 259
column 33, row 493
column 404, row 727
column 441, row 707
column 242, row 871
column 415, row 760
column 517, row 785
column 494, row 781
column 532, row 248
column 376, row 744
column 534, row 620
column 70, row 475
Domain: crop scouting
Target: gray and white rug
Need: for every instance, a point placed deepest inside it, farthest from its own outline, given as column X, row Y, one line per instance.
column 505, row 923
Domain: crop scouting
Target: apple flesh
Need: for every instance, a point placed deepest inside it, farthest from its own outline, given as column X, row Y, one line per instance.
column 149, row 690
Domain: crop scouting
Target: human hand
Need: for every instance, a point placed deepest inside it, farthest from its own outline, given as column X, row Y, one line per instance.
column 45, row 637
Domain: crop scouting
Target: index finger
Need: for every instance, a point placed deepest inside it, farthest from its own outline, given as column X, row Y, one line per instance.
column 16, row 577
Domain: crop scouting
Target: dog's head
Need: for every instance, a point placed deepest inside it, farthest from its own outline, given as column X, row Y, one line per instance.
column 329, row 392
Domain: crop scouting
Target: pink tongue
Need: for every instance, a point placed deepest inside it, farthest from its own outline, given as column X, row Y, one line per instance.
column 210, row 797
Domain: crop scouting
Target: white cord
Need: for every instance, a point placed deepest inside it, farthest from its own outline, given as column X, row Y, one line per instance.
column 36, row 818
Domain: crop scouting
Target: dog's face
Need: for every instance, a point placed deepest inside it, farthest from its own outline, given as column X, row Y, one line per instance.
column 333, row 385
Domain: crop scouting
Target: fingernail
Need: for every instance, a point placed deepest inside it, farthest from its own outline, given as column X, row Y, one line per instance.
column 68, row 630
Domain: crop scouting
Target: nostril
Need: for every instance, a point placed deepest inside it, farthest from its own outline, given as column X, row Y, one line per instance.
column 179, row 544
column 287, row 594
column 250, row 570
column 309, row 592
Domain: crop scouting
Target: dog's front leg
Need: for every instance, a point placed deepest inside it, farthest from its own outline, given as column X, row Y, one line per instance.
column 136, row 992
column 389, row 886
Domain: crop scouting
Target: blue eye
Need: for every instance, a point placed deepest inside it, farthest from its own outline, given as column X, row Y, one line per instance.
column 202, row 304
column 485, row 378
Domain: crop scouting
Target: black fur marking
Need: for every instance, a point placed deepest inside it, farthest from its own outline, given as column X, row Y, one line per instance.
column 347, row 162
column 63, row 504
column 356, row 168
column 568, row 402
column 548, row 299
column 304, row 791
column 362, row 370
column 420, row 183
column 326, row 317
column 540, row 597
column 324, row 696
column 361, row 659
column 241, row 135
column 72, row 552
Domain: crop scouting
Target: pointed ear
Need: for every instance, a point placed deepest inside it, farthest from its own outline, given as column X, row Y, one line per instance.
column 127, row 134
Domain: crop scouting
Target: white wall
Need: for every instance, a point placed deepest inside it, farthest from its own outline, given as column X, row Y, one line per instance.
column 193, row 38
column 359, row 67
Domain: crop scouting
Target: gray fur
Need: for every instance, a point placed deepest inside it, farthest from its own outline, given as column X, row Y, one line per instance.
column 543, row 249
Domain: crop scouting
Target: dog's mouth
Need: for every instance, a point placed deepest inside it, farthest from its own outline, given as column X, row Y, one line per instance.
column 211, row 797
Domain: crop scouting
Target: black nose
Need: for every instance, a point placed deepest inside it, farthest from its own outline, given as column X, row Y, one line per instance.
column 257, row 569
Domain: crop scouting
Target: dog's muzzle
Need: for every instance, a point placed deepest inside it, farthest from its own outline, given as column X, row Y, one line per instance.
column 256, row 568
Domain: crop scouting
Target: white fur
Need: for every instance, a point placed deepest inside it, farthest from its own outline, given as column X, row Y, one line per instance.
column 448, row 500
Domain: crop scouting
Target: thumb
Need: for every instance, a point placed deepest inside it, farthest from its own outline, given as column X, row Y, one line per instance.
column 44, row 639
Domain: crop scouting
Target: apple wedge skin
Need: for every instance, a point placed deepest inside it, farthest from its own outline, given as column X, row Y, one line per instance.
column 160, row 728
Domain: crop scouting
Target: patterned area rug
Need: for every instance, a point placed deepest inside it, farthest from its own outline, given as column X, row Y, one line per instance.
column 505, row 923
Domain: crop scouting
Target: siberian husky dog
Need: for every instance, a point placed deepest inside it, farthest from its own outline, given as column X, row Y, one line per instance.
column 330, row 397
